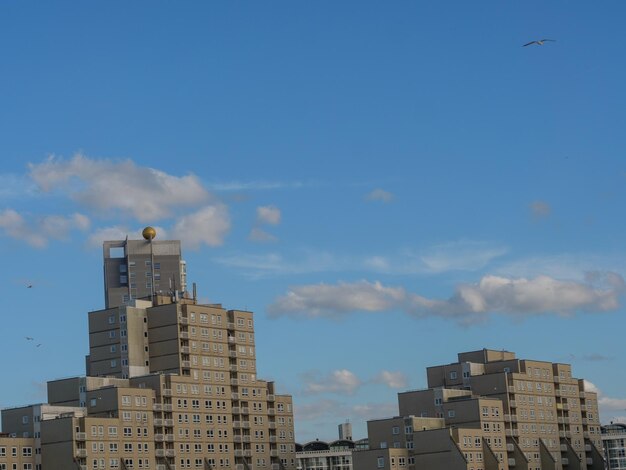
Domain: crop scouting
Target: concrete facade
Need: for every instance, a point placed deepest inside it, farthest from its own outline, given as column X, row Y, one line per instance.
column 494, row 412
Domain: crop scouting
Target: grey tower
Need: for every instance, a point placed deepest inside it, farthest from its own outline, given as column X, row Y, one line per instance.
column 136, row 269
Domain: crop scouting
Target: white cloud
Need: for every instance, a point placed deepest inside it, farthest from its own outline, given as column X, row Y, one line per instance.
column 471, row 303
column 391, row 379
column 38, row 231
column 323, row 300
column 540, row 209
column 380, row 195
column 105, row 185
column 338, row 381
column 261, row 236
column 268, row 215
column 207, row 226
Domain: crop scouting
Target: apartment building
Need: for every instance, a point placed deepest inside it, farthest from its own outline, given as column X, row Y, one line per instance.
column 17, row 453
column 27, row 422
column 172, row 384
column 546, row 408
column 496, row 412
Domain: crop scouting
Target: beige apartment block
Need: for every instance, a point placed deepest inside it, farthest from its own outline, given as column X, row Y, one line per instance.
column 495, row 412
column 26, row 422
column 547, row 412
column 172, row 384
column 17, row 453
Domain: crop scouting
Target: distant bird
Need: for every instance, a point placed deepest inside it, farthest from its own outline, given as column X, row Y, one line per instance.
column 539, row 42
column 38, row 345
column 28, row 338
column 29, row 286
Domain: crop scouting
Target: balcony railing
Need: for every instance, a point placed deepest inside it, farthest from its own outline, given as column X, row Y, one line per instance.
column 81, row 436
column 167, row 392
column 81, row 453
column 169, row 438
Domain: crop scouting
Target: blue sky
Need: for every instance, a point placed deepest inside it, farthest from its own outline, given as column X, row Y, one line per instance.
column 383, row 184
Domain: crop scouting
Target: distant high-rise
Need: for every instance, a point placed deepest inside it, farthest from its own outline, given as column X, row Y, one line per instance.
column 345, row 431
column 138, row 269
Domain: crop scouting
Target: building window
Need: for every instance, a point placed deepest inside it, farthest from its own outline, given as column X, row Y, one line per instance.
column 451, row 413
column 453, row 375
column 381, row 462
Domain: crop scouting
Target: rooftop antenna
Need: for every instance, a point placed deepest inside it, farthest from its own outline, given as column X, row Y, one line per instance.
column 149, row 233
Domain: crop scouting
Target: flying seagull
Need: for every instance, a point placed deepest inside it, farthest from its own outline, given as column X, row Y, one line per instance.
column 38, row 345
column 28, row 338
column 539, row 42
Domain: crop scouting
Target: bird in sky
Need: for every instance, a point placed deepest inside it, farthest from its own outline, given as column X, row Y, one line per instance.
column 38, row 345
column 28, row 338
column 29, row 286
column 539, row 42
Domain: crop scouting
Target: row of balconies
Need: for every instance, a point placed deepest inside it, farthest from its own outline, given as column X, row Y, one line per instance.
column 240, row 466
column 162, row 407
column 164, row 437
column 168, row 423
column 165, row 453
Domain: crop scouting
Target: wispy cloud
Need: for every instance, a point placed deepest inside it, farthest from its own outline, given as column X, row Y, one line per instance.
column 14, row 186
column 379, row 195
column 270, row 215
column 593, row 357
column 110, row 185
column 257, row 266
column 453, row 256
column 340, row 381
column 38, row 230
column 261, row 236
column 540, row 209
column 256, row 185
column 471, row 303
column 563, row 265
column 462, row 255
column 397, row 380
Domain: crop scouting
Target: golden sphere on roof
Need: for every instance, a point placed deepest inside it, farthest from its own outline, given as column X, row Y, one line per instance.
column 149, row 233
